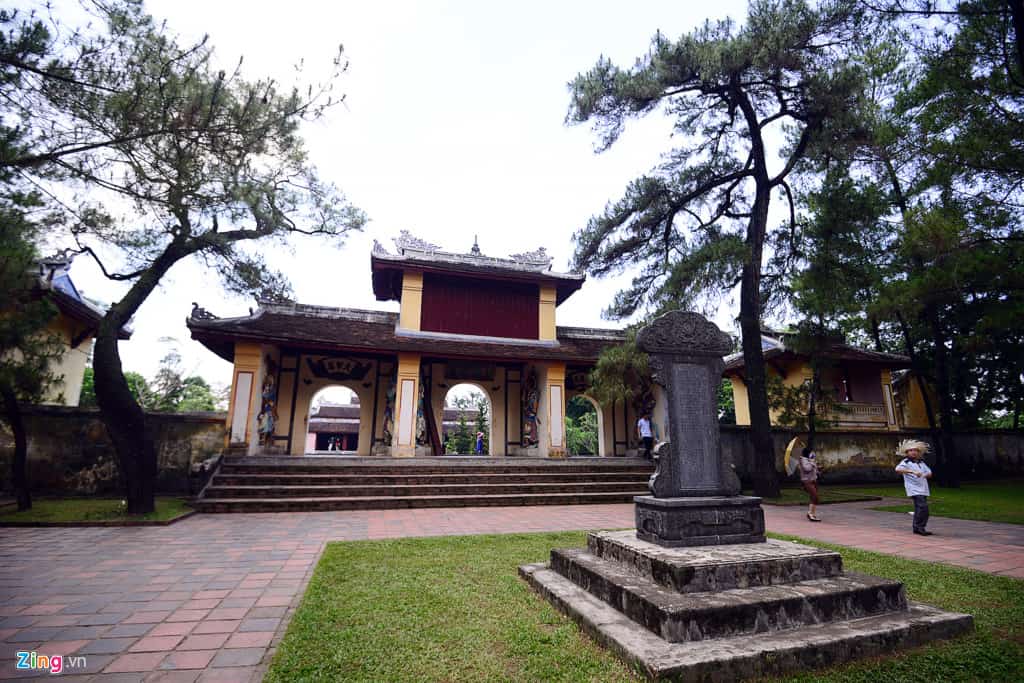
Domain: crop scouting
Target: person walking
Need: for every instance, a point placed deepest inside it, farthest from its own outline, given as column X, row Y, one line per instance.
column 809, row 480
column 646, row 434
column 915, row 480
column 479, row 450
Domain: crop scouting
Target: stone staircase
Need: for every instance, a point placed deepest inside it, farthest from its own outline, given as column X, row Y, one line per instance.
column 732, row 612
column 278, row 484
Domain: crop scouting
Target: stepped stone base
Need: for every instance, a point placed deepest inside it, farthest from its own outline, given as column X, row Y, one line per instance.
column 724, row 613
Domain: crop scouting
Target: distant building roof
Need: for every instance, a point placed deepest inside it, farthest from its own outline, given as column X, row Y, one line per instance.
column 415, row 254
column 54, row 280
column 775, row 348
column 356, row 330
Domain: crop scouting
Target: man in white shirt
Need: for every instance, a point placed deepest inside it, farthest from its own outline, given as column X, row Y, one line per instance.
column 643, row 430
column 915, row 480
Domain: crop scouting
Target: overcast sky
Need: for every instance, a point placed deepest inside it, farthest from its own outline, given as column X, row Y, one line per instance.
column 453, row 127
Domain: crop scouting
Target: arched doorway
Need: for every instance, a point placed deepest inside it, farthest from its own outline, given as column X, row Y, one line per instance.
column 333, row 422
column 467, row 412
column 584, row 427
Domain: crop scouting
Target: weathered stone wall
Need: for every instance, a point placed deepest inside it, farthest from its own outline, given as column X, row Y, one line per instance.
column 69, row 450
column 862, row 457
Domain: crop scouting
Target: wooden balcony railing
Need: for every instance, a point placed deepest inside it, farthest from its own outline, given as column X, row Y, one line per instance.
column 858, row 414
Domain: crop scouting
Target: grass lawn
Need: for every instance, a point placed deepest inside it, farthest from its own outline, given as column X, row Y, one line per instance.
column 990, row 501
column 92, row 510
column 797, row 496
column 453, row 608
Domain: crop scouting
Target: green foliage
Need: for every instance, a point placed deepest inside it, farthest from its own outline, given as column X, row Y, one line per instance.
column 581, row 435
column 161, row 156
column 726, row 403
column 63, row 510
column 691, row 223
column 622, row 373
column 463, row 440
column 170, row 393
column 986, row 501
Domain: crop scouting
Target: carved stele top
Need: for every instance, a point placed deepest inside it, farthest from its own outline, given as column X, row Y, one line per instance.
column 684, row 332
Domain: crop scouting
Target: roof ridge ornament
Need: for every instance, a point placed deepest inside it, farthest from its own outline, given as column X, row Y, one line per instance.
column 201, row 313
column 537, row 257
column 406, row 240
column 475, row 251
column 379, row 249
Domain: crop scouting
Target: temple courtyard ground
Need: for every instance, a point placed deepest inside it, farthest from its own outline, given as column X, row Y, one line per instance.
column 208, row 598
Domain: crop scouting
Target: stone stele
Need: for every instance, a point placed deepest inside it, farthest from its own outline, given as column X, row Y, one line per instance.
column 696, row 593
column 694, row 501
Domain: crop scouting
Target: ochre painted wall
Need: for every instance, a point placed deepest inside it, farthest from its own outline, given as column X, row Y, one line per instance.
column 71, row 365
column 547, row 314
column 247, row 359
column 406, row 402
column 910, row 405
column 412, row 301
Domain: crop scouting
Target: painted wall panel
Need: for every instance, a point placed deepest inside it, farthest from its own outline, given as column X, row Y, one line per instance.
column 481, row 307
column 240, row 405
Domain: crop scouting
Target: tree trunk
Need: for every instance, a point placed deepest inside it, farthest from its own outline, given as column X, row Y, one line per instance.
column 876, row 334
column 812, row 409
column 19, row 465
column 942, row 437
column 949, row 464
column 766, row 481
column 124, row 418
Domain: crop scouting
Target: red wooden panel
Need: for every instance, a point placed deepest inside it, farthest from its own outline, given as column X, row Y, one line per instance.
column 482, row 307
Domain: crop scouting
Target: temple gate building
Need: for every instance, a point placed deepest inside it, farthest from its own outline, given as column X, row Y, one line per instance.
column 463, row 319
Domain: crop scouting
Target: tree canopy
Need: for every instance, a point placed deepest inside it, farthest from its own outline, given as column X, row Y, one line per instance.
column 161, row 156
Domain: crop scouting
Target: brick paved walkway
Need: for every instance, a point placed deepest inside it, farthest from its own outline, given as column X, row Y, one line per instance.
column 207, row 598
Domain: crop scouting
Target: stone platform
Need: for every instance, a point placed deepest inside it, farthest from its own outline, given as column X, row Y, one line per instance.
column 730, row 612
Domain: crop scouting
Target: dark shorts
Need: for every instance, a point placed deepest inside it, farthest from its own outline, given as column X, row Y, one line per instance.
column 812, row 490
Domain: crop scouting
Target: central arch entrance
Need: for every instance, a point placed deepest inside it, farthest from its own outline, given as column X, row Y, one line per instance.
column 333, row 422
column 467, row 413
column 584, row 427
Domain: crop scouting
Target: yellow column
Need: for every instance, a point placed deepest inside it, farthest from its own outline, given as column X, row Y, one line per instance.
column 547, row 313
column 740, row 401
column 412, row 301
column 889, row 402
column 243, row 391
column 407, row 397
column 556, row 410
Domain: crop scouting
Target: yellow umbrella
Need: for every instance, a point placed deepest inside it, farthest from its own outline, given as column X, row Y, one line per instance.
column 792, row 461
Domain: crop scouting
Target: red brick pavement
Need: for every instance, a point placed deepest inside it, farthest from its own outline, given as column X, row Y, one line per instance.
column 207, row 599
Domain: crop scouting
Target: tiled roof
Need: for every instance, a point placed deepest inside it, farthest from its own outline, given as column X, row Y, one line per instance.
column 417, row 255
column 845, row 352
column 54, row 280
column 355, row 330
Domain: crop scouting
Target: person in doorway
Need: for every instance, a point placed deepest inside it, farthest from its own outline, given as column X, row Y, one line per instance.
column 809, row 480
column 479, row 450
column 915, row 480
column 646, row 434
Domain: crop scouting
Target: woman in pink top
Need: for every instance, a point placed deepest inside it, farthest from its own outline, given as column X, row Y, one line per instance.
column 809, row 479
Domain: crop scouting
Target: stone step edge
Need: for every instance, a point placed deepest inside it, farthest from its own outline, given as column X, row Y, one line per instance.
column 688, row 617
column 483, row 476
column 556, row 487
column 718, row 575
column 748, row 656
column 386, row 502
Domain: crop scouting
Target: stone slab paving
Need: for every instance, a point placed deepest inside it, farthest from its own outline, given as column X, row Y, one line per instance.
column 207, row 599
